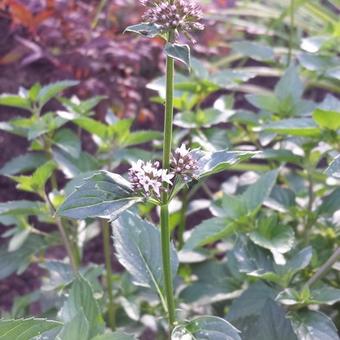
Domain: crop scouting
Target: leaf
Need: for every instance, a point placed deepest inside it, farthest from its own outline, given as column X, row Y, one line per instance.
column 18, row 240
column 22, row 207
column 230, row 78
column 206, row 328
column 25, row 329
column 290, row 85
column 26, row 162
column 11, row 262
column 325, row 295
column 147, row 29
column 68, row 141
column 114, row 336
column 47, row 92
column 334, row 167
column 255, row 194
column 304, row 127
column 140, row 137
column 15, row 101
column 330, row 203
column 76, row 328
column 253, row 50
column 103, row 195
column 327, row 119
column 81, row 298
column 209, row 231
column 178, row 52
column 312, row 325
column 267, row 103
column 213, row 163
column 138, row 247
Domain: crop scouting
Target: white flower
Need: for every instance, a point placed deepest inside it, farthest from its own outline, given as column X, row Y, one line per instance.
column 182, row 151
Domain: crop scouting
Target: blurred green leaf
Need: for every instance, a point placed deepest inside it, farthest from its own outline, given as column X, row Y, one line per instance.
column 253, row 50
column 15, row 101
column 178, row 52
column 147, row 29
column 68, row 141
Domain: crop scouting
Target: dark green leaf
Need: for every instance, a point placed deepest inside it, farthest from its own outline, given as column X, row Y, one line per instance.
column 334, row 167
column 311, row 325
column 81, row 298
column 330, row 203
column 68, row 141
column 138, row 247
column 20, row 164
column 206, row 328
column 25, row 329
column 103, row 195
column 178, row 52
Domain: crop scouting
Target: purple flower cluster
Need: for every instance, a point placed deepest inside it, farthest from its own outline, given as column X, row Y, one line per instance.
column 147, row 178
column 180, row 15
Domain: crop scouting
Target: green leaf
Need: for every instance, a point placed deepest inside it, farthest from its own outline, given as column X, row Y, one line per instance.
column 147, row 29
column 330, row 203
column 25, row 329
column 76, row 328
column 311, row 325
column 139, row 250
column 93, row 126
column 81, row 298
column 178, row 52
column 47, row 92
column 18, row 239
column 103, row 195
column 278, row 238
column 325, row 295
column 267, row 103
column 213, row 163
column 206, row 328
column 22, row 207
column 140, row 137
column 256, row 194
column 26, row 162
column 114, row 336
column 202, row 118
column 253, row 50
column 15, row 101
column 334, row 167
column 304, row 127
column 327, row 119
column 229, row 78
column 11, row 262
column 290, row 85
column 68, row 141
column 209, row 231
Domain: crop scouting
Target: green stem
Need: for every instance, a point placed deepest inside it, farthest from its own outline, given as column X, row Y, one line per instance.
column 108, row 266
column 292, row 29
column 182, row 223
column 165, row 229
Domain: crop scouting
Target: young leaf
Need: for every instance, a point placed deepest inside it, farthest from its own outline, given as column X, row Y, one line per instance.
column 138, row 246
column 327, row 119
column 312, row 325
column 103, row 195
column 147, row 29
column 25, row 329
column 15, row 101
column 47, row 92
column 206, row 328
column 178, row 52
column 81, row 298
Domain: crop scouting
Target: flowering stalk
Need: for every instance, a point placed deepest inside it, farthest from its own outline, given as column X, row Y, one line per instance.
column 165, row 229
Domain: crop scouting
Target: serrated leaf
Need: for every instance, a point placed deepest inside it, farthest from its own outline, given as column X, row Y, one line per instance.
column 311, row 325
column 206, row 328
column 138, row 247
column 25, row 329
column 147, row 29
column 103, row 195
column 178, row 52
column 26, row 162
column 81, row 297
column 49, row 91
